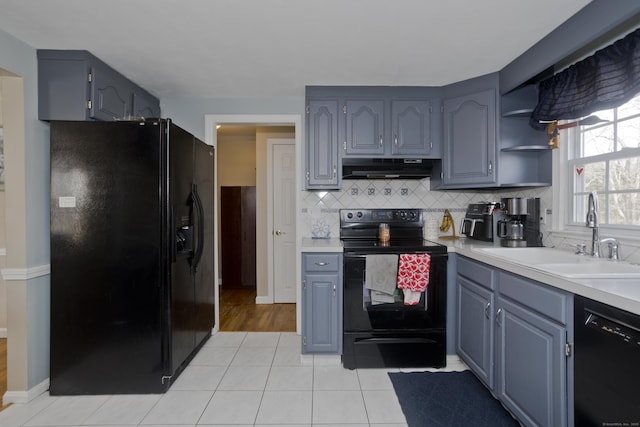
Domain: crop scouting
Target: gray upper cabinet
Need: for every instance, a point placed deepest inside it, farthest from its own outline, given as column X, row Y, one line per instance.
column 75, row 85
column 487, row 140
column 322, row 144
column 411, row 128
column 390, row 122
column 144, row 104
column 469, row 157
column 365, row 127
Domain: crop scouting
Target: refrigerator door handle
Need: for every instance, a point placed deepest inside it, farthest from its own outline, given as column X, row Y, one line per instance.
column 173, row 235
column 200, row 212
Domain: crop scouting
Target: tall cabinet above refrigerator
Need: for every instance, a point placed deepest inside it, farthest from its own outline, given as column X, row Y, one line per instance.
column 132, row 281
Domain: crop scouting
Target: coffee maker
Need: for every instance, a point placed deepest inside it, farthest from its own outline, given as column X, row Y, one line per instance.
column 520, row 223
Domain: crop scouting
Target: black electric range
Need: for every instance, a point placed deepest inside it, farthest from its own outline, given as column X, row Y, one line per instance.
column 390, row 333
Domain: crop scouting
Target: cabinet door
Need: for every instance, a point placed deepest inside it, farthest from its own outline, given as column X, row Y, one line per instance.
column 531, row 365
column 475, row 334
column 110, row 97
column 469, row 156
column 321, row 331
column 144, row 105
column 411, row 128
column 365, row 127
column 322, row 144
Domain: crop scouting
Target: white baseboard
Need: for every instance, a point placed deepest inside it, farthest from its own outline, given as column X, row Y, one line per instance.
column 3, row 332
column 264, row 300
column 25, row 396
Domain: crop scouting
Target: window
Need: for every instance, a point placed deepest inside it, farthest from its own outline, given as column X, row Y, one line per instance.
column 605, row 157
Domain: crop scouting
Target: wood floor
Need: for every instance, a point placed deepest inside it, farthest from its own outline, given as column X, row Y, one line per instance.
column 239, row 312
column 3, row 370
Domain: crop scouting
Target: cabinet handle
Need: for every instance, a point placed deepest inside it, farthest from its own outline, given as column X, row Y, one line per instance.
column 490, row 168
column 498, row 319
column 335, row 171
column 334, row 291
column 322, row 264
column 380, row 140
column 395, row 140
column 486, row 310
column 308, row 177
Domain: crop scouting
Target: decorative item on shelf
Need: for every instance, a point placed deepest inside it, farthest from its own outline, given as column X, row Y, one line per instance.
column 320, row 230
column 447, row 223
column 553, row 128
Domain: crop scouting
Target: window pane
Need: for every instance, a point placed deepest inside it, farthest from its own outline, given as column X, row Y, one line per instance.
column 604, row 115
column 624, row 209
column 589, row 177
column 598, row 140
column 624, row 174
column 580, row 208
column 630, row 108
column 629, row 133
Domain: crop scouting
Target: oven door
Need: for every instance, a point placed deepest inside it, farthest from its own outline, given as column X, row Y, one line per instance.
column 363, row 315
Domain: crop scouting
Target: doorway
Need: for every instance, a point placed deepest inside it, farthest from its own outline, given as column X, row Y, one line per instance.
column 241, row 308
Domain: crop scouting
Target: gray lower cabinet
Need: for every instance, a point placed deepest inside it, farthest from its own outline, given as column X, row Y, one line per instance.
column 322, row 303
column 322, row 144
column 513, row 333
column 475, row 343
column 75, row 85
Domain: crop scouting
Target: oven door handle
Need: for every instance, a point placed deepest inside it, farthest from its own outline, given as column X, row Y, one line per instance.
column 393, row 340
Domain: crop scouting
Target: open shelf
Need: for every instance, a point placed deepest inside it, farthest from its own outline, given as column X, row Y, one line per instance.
column 523, row 112
column 527, row 148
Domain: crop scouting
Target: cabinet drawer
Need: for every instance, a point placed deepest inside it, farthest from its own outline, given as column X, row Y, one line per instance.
column 537, row 296
column 477, row 272
column 320, row 262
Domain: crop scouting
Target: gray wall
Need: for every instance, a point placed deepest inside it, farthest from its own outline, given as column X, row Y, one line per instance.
column 189, row 113
column 28, row 300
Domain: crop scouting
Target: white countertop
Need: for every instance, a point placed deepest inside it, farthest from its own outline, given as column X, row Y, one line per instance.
column 621, row 293
column 321, row 245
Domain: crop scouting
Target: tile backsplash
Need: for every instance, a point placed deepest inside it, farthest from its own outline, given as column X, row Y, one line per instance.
column 323, row 206
column 320, row 209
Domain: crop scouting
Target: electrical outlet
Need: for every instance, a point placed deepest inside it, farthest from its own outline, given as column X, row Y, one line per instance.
column 545, row 217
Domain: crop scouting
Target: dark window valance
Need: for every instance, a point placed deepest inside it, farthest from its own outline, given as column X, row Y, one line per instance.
column 607, row 79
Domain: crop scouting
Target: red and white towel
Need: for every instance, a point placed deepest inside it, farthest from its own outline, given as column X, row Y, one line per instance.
column 413, row 276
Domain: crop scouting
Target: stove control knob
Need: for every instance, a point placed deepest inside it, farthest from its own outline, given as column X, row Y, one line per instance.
column 359, row 214
column 349, row 215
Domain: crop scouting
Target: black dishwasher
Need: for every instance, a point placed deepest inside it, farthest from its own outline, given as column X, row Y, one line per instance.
column 606, row 365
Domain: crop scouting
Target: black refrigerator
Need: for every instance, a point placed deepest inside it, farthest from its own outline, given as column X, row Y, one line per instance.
column 132, row 280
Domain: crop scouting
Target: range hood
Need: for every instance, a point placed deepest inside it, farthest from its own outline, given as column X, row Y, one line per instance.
column 353, row 168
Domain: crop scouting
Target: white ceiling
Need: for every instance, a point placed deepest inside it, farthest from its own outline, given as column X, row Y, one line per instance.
column 273, row 48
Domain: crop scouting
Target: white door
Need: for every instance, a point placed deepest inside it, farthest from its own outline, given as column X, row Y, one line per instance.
column 283, row 186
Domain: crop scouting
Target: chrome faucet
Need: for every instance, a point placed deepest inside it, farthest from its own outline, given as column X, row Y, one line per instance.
column 614, row 249
column 592, row 222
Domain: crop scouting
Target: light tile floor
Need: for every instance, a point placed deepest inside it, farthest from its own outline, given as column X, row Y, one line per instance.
column 239, row 379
